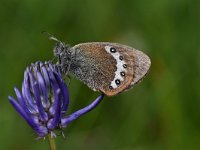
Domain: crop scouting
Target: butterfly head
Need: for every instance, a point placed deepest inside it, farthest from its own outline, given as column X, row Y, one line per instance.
column 60, row 49
column 65, row 55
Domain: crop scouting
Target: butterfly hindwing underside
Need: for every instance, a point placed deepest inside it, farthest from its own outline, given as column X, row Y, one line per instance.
column 108, row 67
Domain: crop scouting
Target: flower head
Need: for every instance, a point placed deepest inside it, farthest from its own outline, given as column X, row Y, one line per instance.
column 44, row 99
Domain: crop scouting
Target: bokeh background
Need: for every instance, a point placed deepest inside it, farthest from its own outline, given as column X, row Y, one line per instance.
column 161, row 113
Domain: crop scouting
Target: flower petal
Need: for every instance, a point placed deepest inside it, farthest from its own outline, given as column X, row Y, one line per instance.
column 57, row 111
column 53, row 81
column 28, row 97
column 28, row 118
column 65, row 97
column 65, row 93
column 46, row 77
column 36, row 92
column 82, row 111
column 19, row 97
column 21, row 100
column 43, row 90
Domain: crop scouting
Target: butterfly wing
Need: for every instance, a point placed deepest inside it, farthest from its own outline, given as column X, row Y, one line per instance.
column 109, row 67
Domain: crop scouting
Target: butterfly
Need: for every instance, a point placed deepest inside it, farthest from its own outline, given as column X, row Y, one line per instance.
column 110, row 68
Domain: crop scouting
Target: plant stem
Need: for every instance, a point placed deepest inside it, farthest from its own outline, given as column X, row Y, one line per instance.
column 52, row 143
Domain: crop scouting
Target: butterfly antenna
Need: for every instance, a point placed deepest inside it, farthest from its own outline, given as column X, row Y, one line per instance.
column 51, row 37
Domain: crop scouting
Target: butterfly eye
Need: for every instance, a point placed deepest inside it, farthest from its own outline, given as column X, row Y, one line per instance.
column 112, row 50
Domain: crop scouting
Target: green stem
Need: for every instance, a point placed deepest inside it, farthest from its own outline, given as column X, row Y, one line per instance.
column 52, row 143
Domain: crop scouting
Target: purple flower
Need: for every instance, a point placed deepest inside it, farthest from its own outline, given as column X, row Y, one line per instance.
column 44, row 99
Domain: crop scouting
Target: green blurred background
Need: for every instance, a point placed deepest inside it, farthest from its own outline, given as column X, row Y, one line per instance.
column 161, row 113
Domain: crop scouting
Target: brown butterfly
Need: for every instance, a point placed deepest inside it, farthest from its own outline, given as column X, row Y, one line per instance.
column 110, row 68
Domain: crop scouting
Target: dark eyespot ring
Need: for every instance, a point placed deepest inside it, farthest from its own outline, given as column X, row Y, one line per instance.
column 121, row 57
column 125, row 65
column 110, row 87
column 112, row 50
column 117, row 81
column 122, row 73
